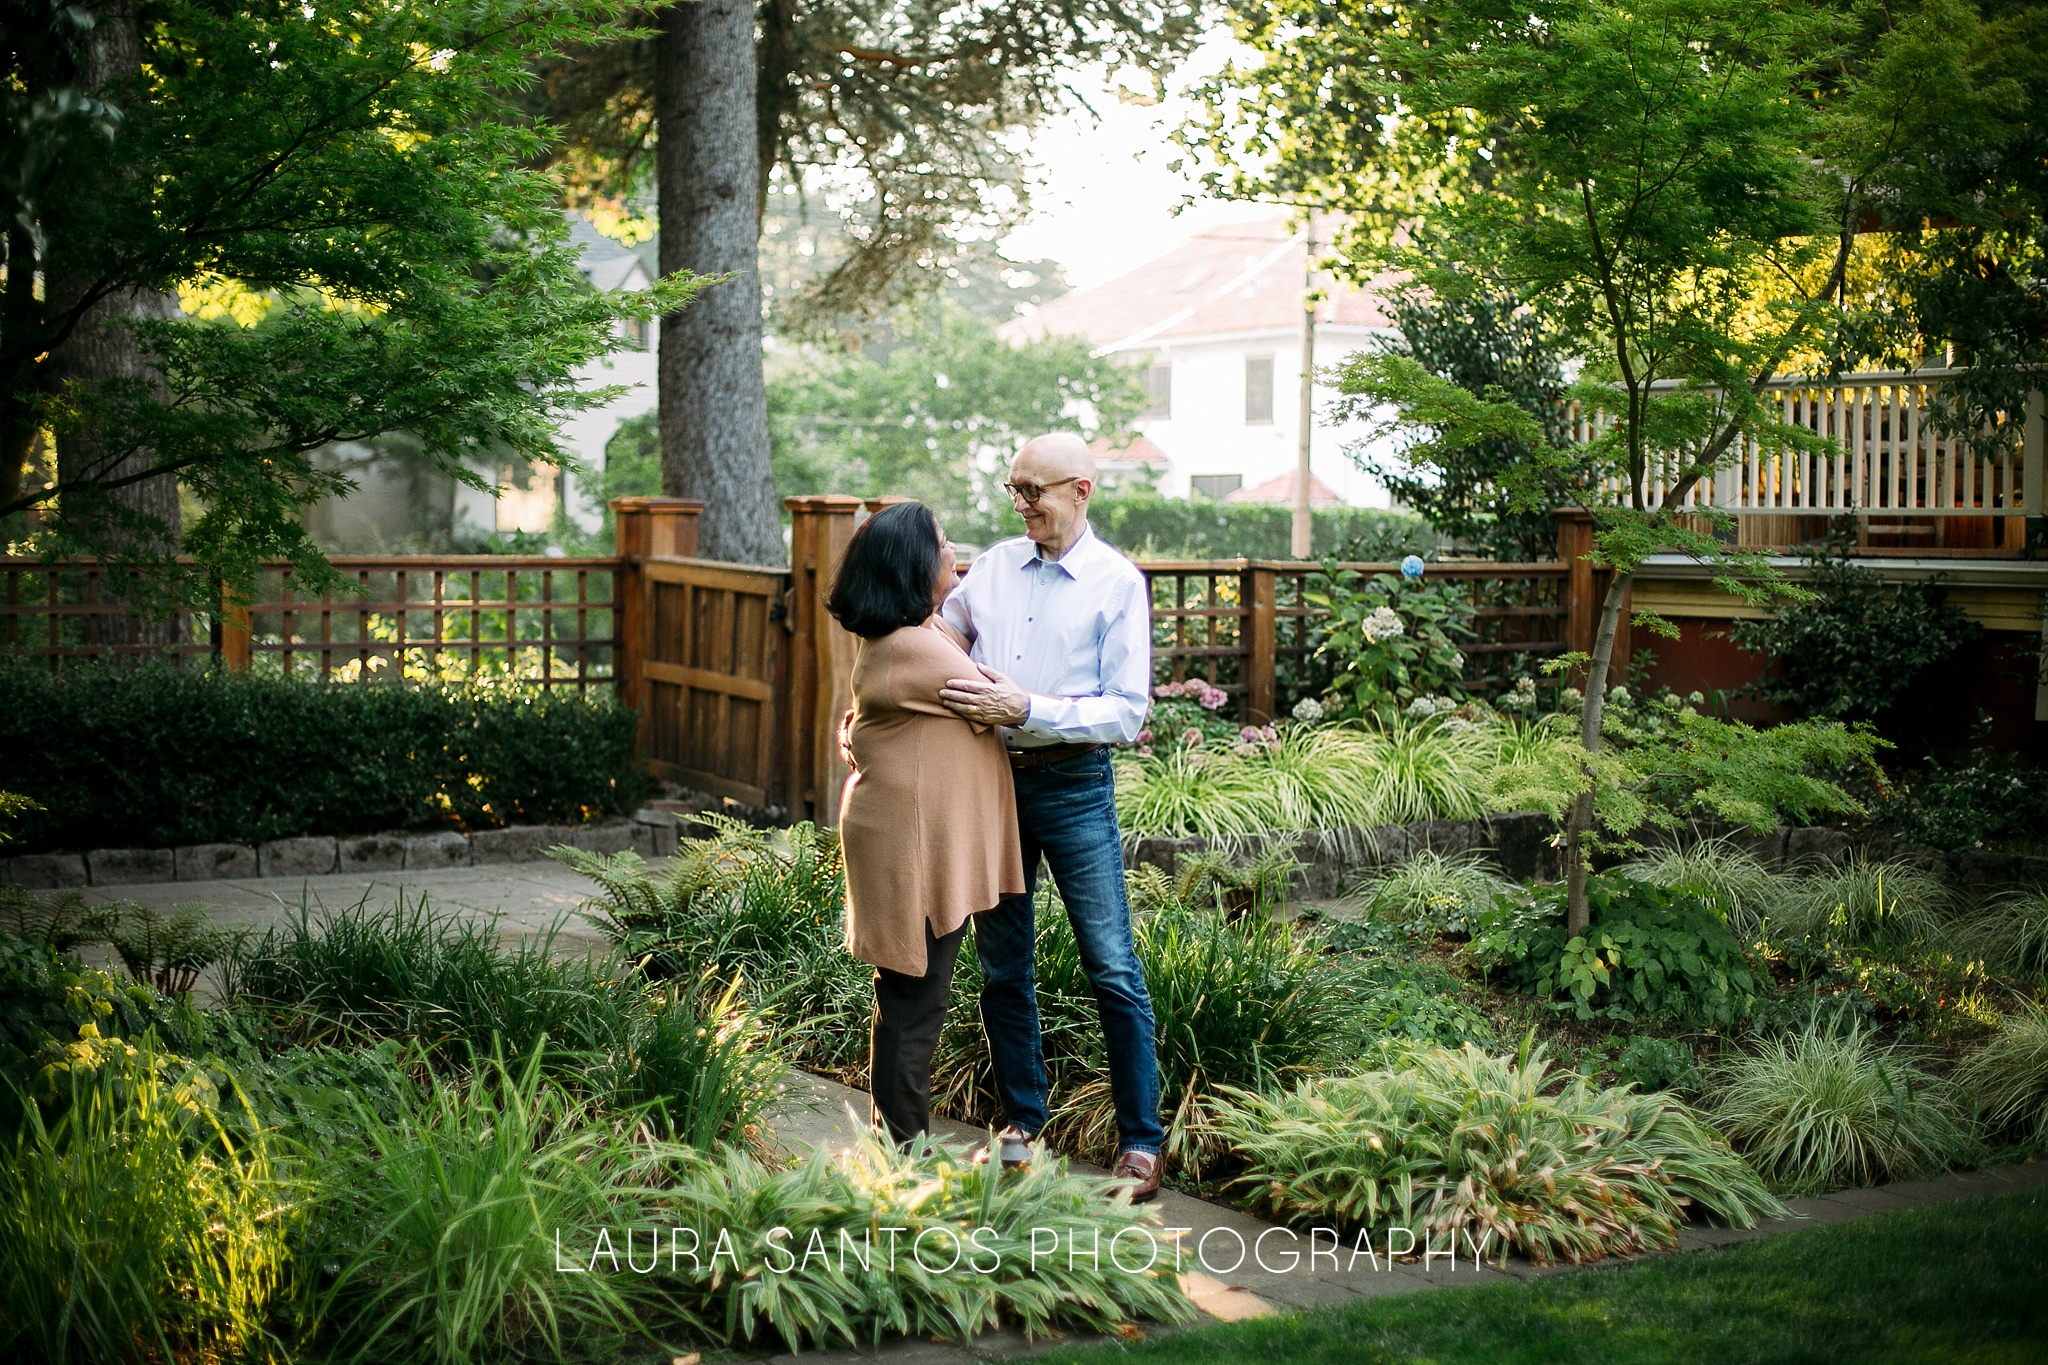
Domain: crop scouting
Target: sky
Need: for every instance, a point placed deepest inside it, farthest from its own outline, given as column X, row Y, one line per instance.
column 1104, row 199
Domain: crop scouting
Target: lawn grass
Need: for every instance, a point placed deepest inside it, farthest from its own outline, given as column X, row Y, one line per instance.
column 1963, row 1282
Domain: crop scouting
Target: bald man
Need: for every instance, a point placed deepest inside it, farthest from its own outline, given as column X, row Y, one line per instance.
column 1061, row 627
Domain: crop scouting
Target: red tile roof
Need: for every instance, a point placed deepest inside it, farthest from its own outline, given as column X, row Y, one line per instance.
column 1243, row 277
column 1141, row 450
column 1281, row 490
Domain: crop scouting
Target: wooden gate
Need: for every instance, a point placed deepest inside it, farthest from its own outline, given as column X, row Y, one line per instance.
column 715, row 675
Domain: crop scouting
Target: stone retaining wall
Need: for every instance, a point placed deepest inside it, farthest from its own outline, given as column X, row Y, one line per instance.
column 650, row 833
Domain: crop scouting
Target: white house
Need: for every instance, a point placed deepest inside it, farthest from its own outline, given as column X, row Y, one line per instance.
column 528, row 497
column 1217, row 325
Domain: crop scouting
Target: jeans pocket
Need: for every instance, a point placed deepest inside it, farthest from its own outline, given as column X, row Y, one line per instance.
column 1080, row 767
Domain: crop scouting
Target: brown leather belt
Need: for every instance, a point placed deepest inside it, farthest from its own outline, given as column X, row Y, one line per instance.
column 1050, row 753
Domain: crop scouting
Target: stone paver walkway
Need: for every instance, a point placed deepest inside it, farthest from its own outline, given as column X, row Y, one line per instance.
column 529, row 898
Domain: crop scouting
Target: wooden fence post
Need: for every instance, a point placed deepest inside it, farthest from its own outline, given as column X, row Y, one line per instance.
column 1257, row 591
column 644, row 528
column 1585, row 588
column 231, row 631
column 820, row 656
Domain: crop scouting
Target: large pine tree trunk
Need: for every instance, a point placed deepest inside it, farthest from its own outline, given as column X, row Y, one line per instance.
column 714, row 407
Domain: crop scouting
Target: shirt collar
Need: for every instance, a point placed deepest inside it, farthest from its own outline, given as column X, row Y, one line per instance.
column 1077, row 558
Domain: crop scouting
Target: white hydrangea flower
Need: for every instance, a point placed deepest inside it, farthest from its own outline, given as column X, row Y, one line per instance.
column 1457, row 662
column 1384, row 624
column 1618, row 695
column 1571, row 696
column 1422, row 708
column 1308, row 710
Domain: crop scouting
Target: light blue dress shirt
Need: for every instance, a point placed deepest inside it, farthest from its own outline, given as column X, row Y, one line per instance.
column 1075, row 633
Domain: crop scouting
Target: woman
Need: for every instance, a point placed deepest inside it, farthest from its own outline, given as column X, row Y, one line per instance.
column 929, row 818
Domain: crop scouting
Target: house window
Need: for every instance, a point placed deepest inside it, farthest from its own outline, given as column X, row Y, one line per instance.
column 1216, row 485
column 1158, row 387
column 1258, row 389
column 635, row 331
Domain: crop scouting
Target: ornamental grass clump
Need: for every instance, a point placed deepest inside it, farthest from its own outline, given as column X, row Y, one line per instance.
column 1446, row 892
column 769, row 905
column 2011, row 932
column 1488, row 1154
column 2008, row 1076
column 1827, row 1109
column 1861, row 902
column 150, row 1221
column 460, row 1227
column 1730, row 879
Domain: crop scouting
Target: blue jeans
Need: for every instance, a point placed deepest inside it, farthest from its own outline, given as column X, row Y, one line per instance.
column 1067, row 811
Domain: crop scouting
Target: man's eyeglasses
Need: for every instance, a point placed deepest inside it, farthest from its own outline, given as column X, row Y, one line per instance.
column 1032, row 492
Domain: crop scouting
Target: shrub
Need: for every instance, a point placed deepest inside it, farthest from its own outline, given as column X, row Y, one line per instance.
column 1146, row 525
column 160, row 757
column 1485, row 1153
column 1824, row 1109
column 1964, row 802
column 1865, row 903
column 1647, row 949
column 1651, row 1064
column 770, row 906
column 143, row 1224
column 445, row 1220
column 1433, row 890
column 2008, row 1076
column 47, row 998
column 441, row 980
column 1388, row 641
column 1728, row 878
column 2011, row 932
column 698, row 1065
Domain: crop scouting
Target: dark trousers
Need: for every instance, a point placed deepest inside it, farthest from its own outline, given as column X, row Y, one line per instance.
column 909, row 1013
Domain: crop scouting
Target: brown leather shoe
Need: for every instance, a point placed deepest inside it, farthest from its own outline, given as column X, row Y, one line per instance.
column 1139, row 1172
column 1014, row 1146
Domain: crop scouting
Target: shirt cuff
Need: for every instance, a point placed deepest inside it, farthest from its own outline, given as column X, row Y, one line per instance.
column 1035, row 723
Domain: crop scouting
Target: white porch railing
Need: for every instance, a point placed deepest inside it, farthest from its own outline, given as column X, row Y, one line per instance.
column 1890, row 459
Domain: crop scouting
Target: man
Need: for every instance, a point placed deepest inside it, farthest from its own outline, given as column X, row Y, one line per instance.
column 1061, row 627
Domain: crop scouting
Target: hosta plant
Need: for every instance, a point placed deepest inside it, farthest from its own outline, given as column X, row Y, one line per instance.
column 1488, row 1153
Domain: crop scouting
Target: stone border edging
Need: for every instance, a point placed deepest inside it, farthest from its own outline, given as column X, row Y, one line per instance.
column 652, row 833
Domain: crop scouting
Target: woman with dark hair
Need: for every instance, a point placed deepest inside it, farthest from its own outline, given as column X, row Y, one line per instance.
column 928, row 820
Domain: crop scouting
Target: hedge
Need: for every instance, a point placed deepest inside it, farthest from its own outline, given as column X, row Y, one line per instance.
column 154, row 757
column 1149, row 526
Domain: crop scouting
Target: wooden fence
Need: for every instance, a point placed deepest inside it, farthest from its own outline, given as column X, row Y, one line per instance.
column 739, row 674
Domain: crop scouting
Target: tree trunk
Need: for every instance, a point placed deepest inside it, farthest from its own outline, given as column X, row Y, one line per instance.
column 143, row 517
column 1578, row 911
column 714, row 406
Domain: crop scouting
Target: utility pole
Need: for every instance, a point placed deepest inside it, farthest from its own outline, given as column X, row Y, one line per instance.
column 1304, row 522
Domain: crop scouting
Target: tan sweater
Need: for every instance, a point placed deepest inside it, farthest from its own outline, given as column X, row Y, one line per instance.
column 929, row 819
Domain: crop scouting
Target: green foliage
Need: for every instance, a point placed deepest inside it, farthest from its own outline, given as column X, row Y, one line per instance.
column 1325, row 778
column 1650, row 1064
column 353, row 262
column 1445, row 892
column 2008, row 1076
column 1243, row 1002
column 437, row 1226
column 1148, row 526
column 1649, row 950
column 151, row 1221
column 1823, row 1109
column 1665, row 764
column 2011, row 931
column 192, row 756
column 919, row 422
column 1188, row 713
column 441, row 981
column 1729, row 878
column 169, row 951
column 1857, row 647
column 1866, row 903
column 767, row 906
column 1486, row 345
column 1458, row 1145
column 1389, row 640
column 699, row 1066
column 48, row 1000
column 1966, row 802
